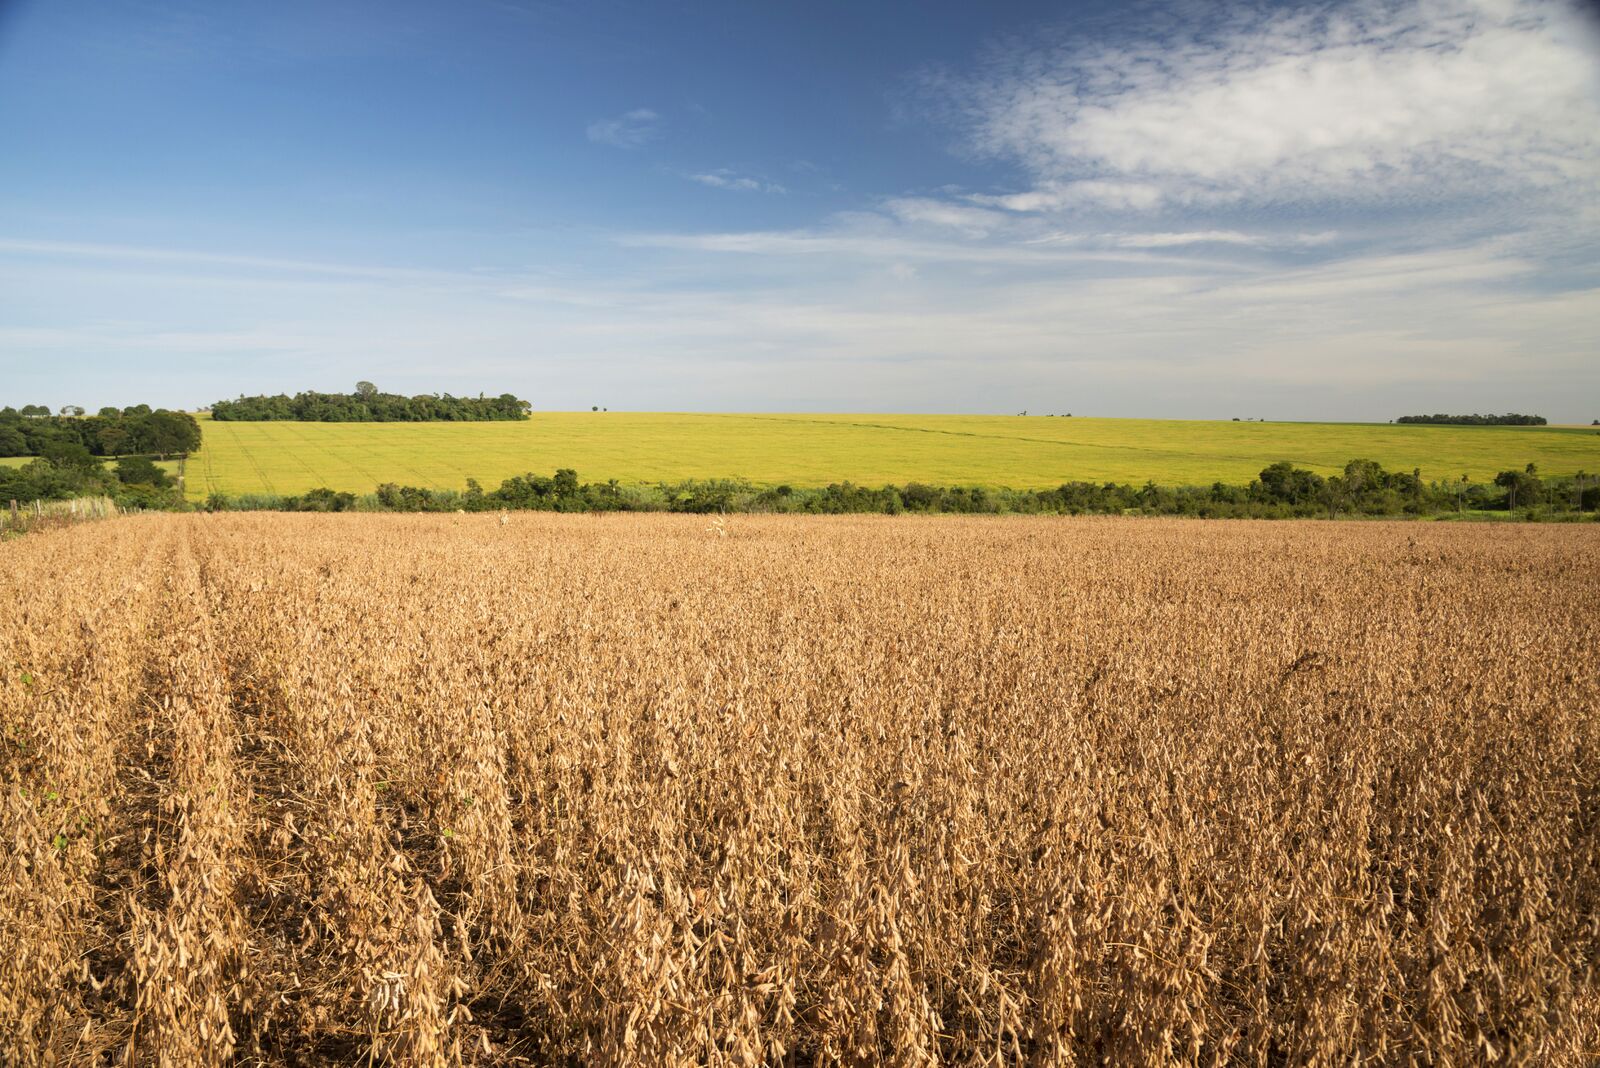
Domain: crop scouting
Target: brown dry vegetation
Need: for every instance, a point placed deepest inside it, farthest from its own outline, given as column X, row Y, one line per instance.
column 299, row 789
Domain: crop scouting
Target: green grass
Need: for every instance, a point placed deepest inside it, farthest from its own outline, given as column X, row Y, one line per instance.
column 813, row 450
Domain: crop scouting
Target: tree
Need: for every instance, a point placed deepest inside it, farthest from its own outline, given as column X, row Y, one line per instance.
column 1363, row 476
column 110, row 413
column 366, row 390
column 137, row 470
column 69, row 454
column 34, row 411
column 1287, row 483
column 1524, row 483
column 1507, row 480
column 114, row 439
column 71, row 411
column 12, row 443
column 168, row 433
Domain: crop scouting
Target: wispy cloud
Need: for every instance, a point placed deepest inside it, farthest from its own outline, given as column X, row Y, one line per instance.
column 723, row 178
column 1364, row 102
column 1347, row 210
column 913, row 315
column 1215, row 237
column 634, row 129
column 152, row 256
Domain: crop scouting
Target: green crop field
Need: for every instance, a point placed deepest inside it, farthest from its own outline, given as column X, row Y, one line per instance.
column 812, row 450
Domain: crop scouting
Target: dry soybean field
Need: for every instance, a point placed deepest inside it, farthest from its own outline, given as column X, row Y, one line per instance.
column 643, row 790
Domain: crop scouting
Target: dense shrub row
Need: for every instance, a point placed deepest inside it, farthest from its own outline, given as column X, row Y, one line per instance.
column 1282, row 491
column 134, row 482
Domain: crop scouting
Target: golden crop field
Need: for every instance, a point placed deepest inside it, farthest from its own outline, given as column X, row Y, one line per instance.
column 642, row 790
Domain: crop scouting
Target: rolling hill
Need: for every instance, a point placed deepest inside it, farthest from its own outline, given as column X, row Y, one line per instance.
column 813, row 450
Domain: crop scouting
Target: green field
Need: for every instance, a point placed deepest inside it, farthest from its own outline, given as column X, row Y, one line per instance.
column 813, row 450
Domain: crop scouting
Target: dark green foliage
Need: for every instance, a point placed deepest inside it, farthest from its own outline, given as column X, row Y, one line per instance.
column 69, row 476
column 142, row 471
column 133, row 430
column 321, row 499
column 166, row 433
column 45, row 480
column 1284, row 483
column 66, row 453
column 367, row 405
column 1509, row 419
column 1521, row 486
column 1282, row 492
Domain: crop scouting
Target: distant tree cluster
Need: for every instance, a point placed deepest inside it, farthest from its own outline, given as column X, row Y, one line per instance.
column 367, row 405
column 32, row 431
column 134, row 482
column 1509, row 419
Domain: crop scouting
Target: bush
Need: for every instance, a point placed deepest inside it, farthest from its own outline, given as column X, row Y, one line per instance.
column 141, row 470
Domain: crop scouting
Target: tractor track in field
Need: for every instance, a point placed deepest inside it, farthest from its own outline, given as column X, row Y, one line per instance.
column 362, row 448
column 1142, row 449
column 260, row 471
column 422, row 478
column 302, row 461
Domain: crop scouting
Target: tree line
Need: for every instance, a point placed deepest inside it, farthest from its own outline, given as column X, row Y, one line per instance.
column 1509, row 419
column 1282, row 491
column 133, row 482
column 32, row 431
column 368, row 405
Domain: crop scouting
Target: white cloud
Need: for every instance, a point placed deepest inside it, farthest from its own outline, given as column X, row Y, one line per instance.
column 967, row 220
column 723, row 178
column 1371, row 207
column 1369, row 101
column 1220, row 237
column 635, row 129
column 157, row 257
column 872, row 314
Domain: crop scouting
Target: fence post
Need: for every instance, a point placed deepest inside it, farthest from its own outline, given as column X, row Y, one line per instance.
column 16, row 513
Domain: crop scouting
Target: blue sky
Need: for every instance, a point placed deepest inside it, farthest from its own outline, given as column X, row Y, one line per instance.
column 1348, row 211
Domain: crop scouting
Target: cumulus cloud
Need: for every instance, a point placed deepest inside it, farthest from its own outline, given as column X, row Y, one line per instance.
column 635, row 129
column 1373, row 100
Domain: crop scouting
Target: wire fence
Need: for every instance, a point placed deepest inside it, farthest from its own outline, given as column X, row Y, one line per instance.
column 21, row 516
